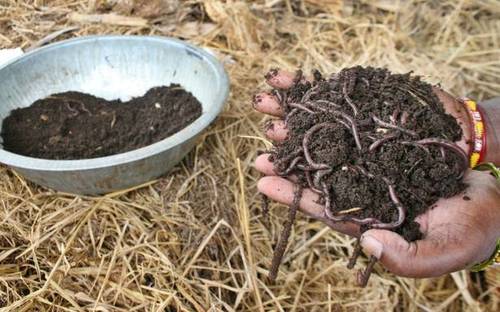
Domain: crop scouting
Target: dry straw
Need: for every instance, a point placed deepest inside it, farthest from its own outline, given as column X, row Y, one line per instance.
column 194, row 240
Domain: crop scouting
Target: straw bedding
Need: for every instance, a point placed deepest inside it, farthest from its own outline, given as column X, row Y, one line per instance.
column 194, row 240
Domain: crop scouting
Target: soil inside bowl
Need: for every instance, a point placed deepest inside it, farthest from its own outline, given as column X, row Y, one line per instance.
column 377, row 147
column 74, row 125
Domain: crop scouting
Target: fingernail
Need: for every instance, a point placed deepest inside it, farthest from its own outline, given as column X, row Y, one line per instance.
column 371, row 246
column 256, row 99
column 271, row 74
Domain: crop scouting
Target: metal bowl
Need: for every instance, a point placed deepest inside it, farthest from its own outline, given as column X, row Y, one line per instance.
column 112, row 67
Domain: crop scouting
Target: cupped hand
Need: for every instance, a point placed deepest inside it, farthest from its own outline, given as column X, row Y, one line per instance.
column 457, row 233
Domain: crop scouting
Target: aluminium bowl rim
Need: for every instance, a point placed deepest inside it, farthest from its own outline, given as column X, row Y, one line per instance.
column 187, row 133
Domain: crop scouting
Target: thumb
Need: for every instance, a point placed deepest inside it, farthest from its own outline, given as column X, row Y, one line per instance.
column 422, row 258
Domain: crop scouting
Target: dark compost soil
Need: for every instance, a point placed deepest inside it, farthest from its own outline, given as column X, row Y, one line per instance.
column 377, row 147
column 74, row 125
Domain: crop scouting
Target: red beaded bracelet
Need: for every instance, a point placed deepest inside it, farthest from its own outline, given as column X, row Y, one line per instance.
column 479, row 132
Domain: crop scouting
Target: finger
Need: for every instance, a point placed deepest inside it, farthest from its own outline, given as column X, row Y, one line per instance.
column 282, row 190
column 264, row 165
column 281, row 79
column 423, row 258
column 276, row 130
column 267, row 103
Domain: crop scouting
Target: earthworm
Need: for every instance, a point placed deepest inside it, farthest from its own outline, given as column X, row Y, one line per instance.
column 343, row 218
column 290, row 156
column 354, row 128
column 71, row 109
column 329, row 103
column 449, row 145
column 394, row 198
column 301, row 106
column 344, row 123
column 281, row 98
column 364, row 276
column 394, row 115
column 425, row 149
column 321, row 109
column 310, row 183
column 278, row 96
column 305, row 146
column 309, row 93
column 287, row 158
column 306, row 168
column 319, row 175
column 328, row 199
column 285, row 234
column 413, row 167
column 290, row 167
column 443, row 153
column 404, row 117
column 265, row 205
column 290, row 114
column 391, row 126
column 375, row 223
column 355, row 254
column 379, row 142
column 347, row 218
column 401, row 209
column 364, row 172
column 348, row 100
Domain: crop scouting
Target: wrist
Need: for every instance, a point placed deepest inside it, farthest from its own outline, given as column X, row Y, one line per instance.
column 477, row 132
column 491, row 117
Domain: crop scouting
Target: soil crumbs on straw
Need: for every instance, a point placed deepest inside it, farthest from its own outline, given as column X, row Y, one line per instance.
column 193, row 240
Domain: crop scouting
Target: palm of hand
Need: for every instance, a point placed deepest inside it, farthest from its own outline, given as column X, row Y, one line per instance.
column 458, row 231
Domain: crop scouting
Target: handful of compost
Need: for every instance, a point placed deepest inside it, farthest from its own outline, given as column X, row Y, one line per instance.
column 377, row 147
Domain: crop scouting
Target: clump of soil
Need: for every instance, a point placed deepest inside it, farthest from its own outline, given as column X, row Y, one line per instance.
column 74, row 125
column 376, row 146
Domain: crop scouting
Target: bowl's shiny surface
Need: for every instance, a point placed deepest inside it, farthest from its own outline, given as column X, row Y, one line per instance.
column 112, row 67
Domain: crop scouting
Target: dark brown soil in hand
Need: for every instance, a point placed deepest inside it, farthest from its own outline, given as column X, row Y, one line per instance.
column 74, row 125
column 377, row 147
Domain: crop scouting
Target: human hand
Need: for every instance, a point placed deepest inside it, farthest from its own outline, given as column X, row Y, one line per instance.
column 458, row 232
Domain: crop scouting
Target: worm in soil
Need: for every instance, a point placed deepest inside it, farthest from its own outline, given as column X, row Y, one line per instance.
column 330, row 103
column 318, row 176
column 302, row 107
column 305, row 145
column 309, row 93
column 354, row 128
column 451, row 146
column 292, row 165
column 348, row 100
column 422, row 147
column 399, row 206
column 381, row 141
column 391, row 126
